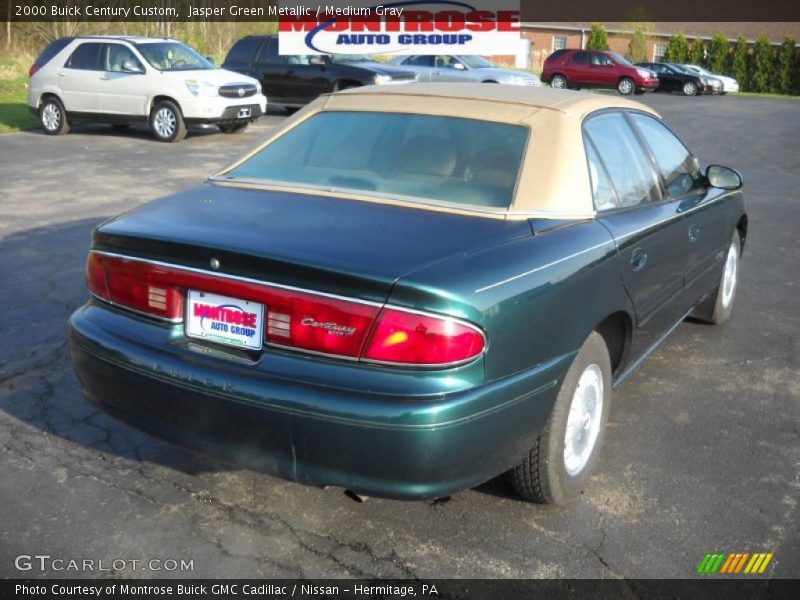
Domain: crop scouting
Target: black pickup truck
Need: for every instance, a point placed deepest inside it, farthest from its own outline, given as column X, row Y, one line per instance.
column 295, row 80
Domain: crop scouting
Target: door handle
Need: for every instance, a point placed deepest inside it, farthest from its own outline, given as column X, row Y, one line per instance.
column 694, row 233
column 638, row 259
column 62, row 74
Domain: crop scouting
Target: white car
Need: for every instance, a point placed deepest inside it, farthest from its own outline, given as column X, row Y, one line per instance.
column 124, row 80
column 729, row 84
column 463, row 69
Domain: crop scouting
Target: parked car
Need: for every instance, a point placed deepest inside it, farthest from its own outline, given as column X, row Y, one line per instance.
column 406, row 292
column 674, row 78
column 579, row 68
column 461, row 69
column 295, row 80
column 123, row 80
column 729, row 84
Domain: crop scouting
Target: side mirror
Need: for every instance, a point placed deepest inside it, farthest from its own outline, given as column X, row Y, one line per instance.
column 723, row 177
column 130, row 66
column 459, row 66
column 211, row 60
column 316, row 60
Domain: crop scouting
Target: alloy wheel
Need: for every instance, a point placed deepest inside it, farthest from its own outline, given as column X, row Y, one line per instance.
column 729, row 275
column 165, row 122
column 584, row 420
column 51, row 116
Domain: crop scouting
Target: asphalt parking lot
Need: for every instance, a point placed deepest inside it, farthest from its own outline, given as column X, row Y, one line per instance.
column 702, row 454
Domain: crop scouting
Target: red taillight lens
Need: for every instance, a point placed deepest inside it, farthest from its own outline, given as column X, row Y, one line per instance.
column 320, row 324
column 295, row 319
column 133, row 284
column 33, row 69
column 144, row 287
column 96, row 276
column 419, row 339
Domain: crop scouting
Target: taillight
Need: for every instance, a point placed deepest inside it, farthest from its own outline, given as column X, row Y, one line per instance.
column 422, row 339
column 33, row 69
column 295, row 319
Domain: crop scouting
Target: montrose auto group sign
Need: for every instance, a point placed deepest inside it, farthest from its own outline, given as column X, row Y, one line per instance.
column 402, row 27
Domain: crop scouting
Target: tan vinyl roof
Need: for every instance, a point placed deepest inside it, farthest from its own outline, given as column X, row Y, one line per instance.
column 554, row 178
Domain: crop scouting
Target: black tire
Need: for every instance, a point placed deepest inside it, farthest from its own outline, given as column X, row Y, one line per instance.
column 717, row 308
column 543, row 475
column 626, row 86
column 166, row 122
column 53, row 117
column 233, row 127
column 690, row 89
column 559, row 82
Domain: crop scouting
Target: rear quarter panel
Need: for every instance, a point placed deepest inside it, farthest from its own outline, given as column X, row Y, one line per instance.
column 537, row 298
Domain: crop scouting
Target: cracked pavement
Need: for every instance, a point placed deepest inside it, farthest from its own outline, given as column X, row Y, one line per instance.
column 702, row 453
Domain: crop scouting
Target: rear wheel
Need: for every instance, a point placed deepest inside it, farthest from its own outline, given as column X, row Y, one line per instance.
column 559, row 82
column 53, row 117
column 625, row 86
column 689, row 89
column 563, row 458
column 233, row 127
column 166, row 122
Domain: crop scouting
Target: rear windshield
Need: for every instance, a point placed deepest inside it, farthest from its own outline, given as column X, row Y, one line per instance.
column 417, row 157
column 51, row 50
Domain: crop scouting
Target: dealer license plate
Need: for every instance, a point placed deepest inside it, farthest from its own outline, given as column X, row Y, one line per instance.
column 225, row 320
column 244, row 112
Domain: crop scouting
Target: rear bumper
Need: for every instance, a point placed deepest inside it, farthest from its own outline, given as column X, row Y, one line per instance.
column 381, row 444
column 647, row 85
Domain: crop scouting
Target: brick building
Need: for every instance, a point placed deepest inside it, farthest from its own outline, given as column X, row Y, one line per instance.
column 541, row 39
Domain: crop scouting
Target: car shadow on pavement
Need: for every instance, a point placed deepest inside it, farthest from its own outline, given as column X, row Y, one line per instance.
column 43, row 275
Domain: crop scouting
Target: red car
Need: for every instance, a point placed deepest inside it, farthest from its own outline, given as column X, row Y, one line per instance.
column 576, row 68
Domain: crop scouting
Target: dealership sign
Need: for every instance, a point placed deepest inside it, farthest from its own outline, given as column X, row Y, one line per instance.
column 402, row 27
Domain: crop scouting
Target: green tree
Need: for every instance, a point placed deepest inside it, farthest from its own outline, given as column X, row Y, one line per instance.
column 598, row 37
column 718, row 53
column 739, row 62
column 697, row 52
column 637, row 48
column 761, row 78
column 784, row 65
column 677, row 49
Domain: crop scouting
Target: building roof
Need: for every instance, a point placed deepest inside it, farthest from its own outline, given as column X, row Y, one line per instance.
column 775, row 31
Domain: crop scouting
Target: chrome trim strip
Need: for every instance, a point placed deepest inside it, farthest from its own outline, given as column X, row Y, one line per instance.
column 219, row 275
column 542, row 267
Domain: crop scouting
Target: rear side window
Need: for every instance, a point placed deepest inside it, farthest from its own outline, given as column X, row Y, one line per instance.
column 85, row 57
column 51, row 50
column 243, row 51
column 603, row 193
column 580, row 58
column 676, row 165
column 624, row 159
column 420, row 61
column 269, row 53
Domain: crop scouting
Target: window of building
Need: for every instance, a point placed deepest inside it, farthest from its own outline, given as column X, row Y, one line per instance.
column 559, row 42
column 659, row 50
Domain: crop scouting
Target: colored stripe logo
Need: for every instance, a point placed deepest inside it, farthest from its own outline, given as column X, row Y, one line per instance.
column 734, row 563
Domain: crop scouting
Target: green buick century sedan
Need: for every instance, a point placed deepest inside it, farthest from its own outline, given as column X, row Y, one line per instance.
column 407, row 291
